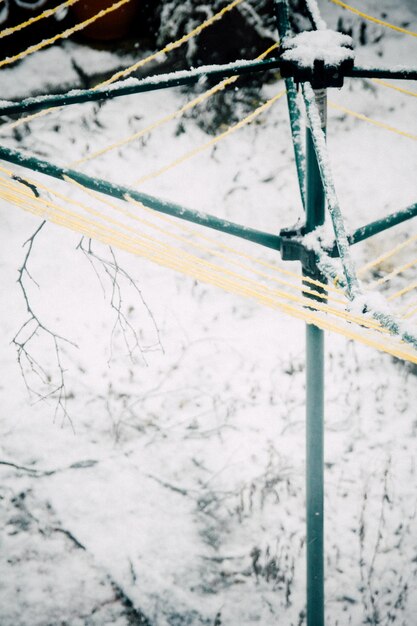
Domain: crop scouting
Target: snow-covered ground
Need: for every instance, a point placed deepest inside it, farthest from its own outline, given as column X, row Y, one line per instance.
column 174, row 487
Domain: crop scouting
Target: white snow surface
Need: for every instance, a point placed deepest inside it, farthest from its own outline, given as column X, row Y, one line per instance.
column 325, row 45
column 175, row 485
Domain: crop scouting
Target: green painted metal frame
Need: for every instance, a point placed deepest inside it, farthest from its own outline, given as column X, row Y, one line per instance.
column 373, row 228
column 316, row 185
column 191, row 77
column 135, row 86
column 162, row 206
column 315, row 216
column 284, row 31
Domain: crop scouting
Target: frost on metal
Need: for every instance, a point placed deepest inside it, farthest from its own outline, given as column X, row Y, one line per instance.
column 328, row 46
column 374, row 305
column 319, row 22
column 330, row 192
column 365, row 304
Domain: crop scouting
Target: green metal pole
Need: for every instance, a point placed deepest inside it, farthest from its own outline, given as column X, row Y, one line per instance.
column 315, row 215
column 134, row 86
column 284, row 31
column 268, row 240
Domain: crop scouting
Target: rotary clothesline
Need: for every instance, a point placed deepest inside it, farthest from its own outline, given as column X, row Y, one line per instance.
column 180, row 260
column 398, row 271
column 295, row 286
column 179, row 42
column 365, row 319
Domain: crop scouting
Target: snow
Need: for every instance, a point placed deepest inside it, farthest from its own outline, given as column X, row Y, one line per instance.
column 181, row 473
column 326, row 45
column 315, row 12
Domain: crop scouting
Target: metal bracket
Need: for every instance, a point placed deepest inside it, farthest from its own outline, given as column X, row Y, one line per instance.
column 292, row 248
column 322, row 58
column 320, row 75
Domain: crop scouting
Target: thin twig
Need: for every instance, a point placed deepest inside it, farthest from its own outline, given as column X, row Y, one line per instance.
column 115, row 273
column 32, row 328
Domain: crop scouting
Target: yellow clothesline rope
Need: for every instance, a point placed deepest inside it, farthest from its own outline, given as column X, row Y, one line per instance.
column 374, row 19
column 398, row 270
column 135, row 66
column 395, row 348
column 369, row 338
column 411, row 311
column 97, row 214
column 198, row 100
column 179, row 224
column 171, row 46
column 264, row 275
column 395, row 87
column 167, row 118
column 66, row 33
column 227, row 248
column 36, row 18
column 145, row 239
column 386, row 255
column 208, row 144
column 163, row 120
column 139, row 238
column 402, row 291
column 205, row 249
column 370, row 120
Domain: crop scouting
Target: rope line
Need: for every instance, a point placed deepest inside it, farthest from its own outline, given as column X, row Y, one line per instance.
column 395, row 87
column 411, row 311
column 402, row 292
column 175, row 251
column 386, row 255
column 36, row 18
column 185, row 228
column 240, row 265
column 173, row 45
column 179, row 224
column 66, row 33
column 376, row 20
column 167, row 118
column 398, row 270
column 208, row 144
column 163, row 120
column 205, row 249
column 370, row 120
column 135, row 66
column 218, row 279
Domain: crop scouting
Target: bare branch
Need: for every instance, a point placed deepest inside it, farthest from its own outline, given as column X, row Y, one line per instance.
column 115, row 275
column 32, row 329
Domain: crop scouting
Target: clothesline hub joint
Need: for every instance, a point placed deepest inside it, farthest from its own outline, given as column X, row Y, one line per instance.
column 292, row 248
column 320, row 57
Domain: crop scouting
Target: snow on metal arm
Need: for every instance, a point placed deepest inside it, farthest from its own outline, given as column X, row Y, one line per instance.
column 333, row 206
column 372, row 304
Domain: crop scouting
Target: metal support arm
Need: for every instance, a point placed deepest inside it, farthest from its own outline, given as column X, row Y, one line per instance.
column 162, row 206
